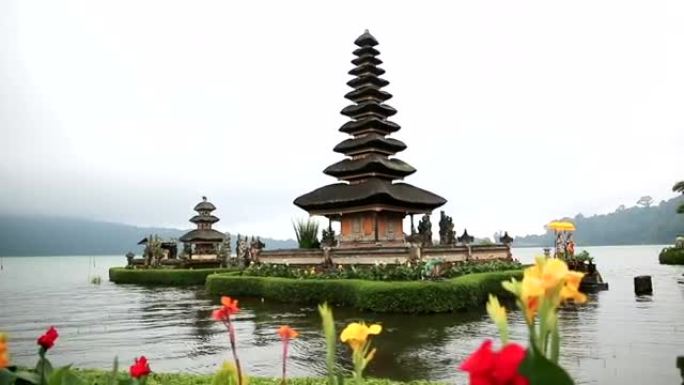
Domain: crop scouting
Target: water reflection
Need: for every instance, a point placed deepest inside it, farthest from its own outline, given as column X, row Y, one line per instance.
column 616, row 338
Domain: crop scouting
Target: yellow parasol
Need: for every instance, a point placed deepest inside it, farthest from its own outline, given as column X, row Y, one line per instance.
column 561, row 226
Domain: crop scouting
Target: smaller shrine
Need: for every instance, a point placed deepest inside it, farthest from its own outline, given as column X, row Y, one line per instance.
column 203, row 242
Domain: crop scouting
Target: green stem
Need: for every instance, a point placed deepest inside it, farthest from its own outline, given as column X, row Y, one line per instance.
column 543, row 327
column 555, row 345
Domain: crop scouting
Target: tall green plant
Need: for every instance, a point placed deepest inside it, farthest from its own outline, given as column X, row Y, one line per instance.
column 307, row 234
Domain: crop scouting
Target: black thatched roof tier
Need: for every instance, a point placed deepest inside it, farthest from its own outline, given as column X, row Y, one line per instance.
column 375, row 124
column 368, row 142
column 368, row 94
column 204, row 205
column 204, row 219
column 203, row 235
column 369, row 80
column 372, row 192
column 366, row 59
column 368, row 109
column 366, row 40
column 366, row 69
column 372, row 164
column 365, row 50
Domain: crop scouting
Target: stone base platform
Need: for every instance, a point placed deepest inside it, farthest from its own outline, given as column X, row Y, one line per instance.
column 386, row 255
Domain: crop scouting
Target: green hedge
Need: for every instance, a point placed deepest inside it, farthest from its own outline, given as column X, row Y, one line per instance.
column 672, row 256
column 95, row 377
column 399, row 297
column 170, row 277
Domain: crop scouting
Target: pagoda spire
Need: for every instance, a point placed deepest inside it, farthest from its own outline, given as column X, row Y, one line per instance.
column 369, row 148
column 367, row 187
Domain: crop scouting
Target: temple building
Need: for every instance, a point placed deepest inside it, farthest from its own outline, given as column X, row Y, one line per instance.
column 203, row 241
column 368, row 200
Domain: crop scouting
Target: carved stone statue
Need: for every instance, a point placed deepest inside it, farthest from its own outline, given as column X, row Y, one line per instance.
column 679, row 242
column 129, row 258
column 328, row 237
column 447, row 235
column 466, row 238
column 327, row 258
column 237, row 246
column 255, row 247
column 224, row 251
column 242, row 253
column 506, row 239
column 425, row 231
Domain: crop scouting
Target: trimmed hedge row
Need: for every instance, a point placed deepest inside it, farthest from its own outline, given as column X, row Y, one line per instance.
column 672, row 256
column 94, row 377
column 170, row 277
column 397, row 297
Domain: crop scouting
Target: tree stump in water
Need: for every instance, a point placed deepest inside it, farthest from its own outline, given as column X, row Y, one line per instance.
column 643, row 285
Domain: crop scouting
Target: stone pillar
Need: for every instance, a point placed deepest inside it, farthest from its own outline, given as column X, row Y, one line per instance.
column 643, row 285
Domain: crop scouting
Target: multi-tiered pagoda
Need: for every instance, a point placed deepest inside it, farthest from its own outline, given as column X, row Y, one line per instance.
column 368, row 201
column 203, row 240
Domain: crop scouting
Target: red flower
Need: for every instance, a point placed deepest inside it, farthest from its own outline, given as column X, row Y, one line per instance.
column 228, row 308
column 487, row 367
column 140, row 368
column 48, row 339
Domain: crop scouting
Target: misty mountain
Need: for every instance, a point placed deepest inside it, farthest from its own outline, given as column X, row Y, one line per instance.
column 23, row 236
column 636, row 225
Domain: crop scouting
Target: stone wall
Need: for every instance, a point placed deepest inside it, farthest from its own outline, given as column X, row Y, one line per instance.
column 387, row 255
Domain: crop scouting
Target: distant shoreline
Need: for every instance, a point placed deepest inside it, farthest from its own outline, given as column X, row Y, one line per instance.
column 124, row 259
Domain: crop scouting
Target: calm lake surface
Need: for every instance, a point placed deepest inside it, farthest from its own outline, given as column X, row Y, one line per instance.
column 616, row 338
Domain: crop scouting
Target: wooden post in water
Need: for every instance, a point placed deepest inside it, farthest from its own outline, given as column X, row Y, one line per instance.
column 680, row 365
column 643, row 285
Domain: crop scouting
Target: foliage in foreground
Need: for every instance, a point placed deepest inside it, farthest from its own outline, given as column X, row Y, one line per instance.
column 379, row 271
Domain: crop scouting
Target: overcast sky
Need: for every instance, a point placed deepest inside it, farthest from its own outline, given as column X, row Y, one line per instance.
column 517, row 112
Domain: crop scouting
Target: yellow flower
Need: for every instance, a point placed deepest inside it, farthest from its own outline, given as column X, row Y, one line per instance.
column 549, row 278
column 498, row 314
column 553, row 272
column 495, row 310
column 4, row 355
column 571, row 288
column 356, row 334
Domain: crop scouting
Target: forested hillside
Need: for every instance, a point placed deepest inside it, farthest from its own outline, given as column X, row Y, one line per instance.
column 638, row 225
column 69, row 236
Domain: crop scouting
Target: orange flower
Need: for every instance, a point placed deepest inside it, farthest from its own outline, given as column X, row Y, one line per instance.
column 4, row 356
column 287, row 333
column 228, row 308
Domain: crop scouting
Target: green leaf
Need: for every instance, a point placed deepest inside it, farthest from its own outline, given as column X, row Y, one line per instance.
column 70, row 378
column 6, row 377
column 44, row 369
column 540, row 371
column 125, row 381
column 25, row 377
column 57, row 376
column 111, row 380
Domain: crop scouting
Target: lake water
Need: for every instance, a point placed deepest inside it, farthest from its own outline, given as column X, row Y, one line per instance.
column 616, row 338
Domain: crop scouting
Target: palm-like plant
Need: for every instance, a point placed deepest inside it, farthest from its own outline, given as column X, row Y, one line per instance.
column 679, row 187
column 307, row 234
